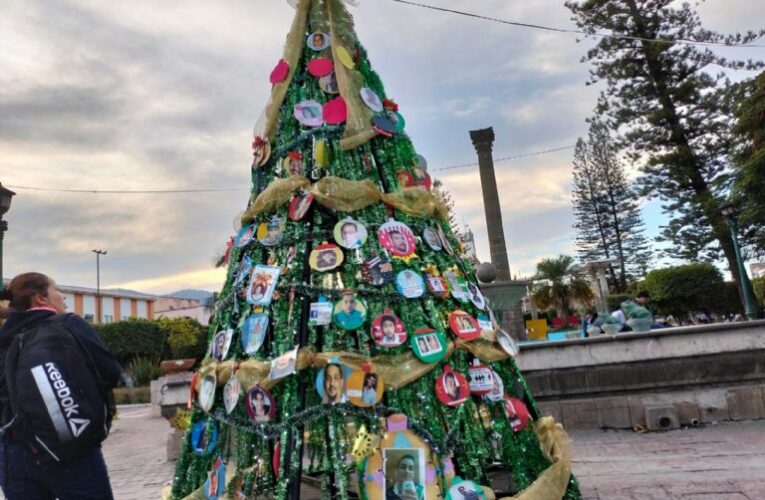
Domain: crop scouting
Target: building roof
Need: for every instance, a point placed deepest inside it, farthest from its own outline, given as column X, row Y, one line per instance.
column 105, row 292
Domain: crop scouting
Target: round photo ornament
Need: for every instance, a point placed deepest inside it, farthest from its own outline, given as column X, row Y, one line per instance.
column 299, row 205
column 516, row 413
column 451, row 387
column 331, row 382
column 481, row 378
column 364, row 387
column 260, row 404
column 318, row 41
column 465, row 490
column 232, row 392
column 404, row 178
column 350, row 233
column 476, row 297
column 430, row 237
column 464, row 325
column 371, row 99
column 507, row 343
column 271, row 232
column 397, row 239
column 261, row 151
column 497, row 392
column 204, row 437
column 350, row 312
column 377, row 270
column 428, row 345
column 207, row 391
column 388, row 330
column 325, row 257
column 309, row 113
column 410, row 284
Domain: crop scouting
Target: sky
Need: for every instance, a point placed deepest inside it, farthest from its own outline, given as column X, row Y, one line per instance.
column 146, row 95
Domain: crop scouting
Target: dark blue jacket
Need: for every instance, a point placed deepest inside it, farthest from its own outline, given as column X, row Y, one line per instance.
column 105, row 362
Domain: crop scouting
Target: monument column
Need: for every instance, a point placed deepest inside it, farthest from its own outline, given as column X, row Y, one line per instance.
column 483, row 140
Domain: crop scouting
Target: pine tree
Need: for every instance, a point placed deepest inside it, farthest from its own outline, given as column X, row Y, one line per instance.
column 749, row 161
column 674, row 121
column 326, row 332
column 607, row 214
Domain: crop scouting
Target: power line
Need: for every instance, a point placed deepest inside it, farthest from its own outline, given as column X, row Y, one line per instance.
column 514, row 157
column 573, row 31
column 128, row 191
column 219, row 190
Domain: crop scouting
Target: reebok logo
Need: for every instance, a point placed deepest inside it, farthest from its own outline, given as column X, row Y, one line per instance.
column 59, row 401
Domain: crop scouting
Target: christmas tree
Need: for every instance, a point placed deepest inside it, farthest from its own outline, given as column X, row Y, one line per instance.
column 351, row 342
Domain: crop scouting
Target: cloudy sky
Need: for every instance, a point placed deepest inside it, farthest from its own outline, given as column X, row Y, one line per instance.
column 163, row 95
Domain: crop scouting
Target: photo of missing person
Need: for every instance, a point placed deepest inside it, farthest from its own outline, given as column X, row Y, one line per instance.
column 328, row 83
column 371, row 99
column 299, row 205
column 350, row 234
column 476, row 297
column 284, row 365
column 207, row 392
column 451, row 387
column 262, row 284
column 404, row 473
column 318, row 41
column 369, row 390
column 254, row 332
column 410, row 284
column 327, row 259
column 422, row 345
column 388, row 330
column 270, row 233
column 293, row 164
column 378, row 271
column 465, row 325
column 333, row 384
column 349, row 313
column 396, row 238
column 309, row 113
column 244, row 236
column 431, row 239
column 260, row 404
column 434, row 346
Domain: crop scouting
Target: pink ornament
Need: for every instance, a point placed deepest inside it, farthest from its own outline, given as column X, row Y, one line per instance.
column 280, row 72
column 321, row 66
column 335, row 111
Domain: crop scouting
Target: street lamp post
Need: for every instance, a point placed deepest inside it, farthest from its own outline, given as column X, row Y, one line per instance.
column 98, row 253
column 5, row 205
column 730, row 214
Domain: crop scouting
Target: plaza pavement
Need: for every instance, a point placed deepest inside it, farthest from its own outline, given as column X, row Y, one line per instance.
column 717, row 462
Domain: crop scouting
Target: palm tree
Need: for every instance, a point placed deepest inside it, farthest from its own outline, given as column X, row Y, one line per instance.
column 563, row 282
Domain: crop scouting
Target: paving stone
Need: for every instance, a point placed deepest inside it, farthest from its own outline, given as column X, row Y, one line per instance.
column 746, row 403
column 579, row 414
column 613, row 412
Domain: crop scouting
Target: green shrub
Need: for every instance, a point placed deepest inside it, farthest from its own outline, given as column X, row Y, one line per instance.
column 686, row 289
column 185, row 337
column 132, row 338
column 144, row 370
column 132, row 395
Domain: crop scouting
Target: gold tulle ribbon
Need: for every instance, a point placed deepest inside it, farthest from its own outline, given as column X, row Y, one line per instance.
column 344, row 195
column 396, row 370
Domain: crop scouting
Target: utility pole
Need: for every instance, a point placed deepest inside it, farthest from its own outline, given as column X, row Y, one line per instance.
column 98, row 253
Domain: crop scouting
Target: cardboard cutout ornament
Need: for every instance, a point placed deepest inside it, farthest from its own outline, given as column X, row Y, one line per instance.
column 428, row 345
column 263, row 281
column 261, row 151
column 318, row 41
column 404, row 178
column 516, row 412
column 464, row 325
column 451, row 387
column 398, row 121
column 328, row 83
column 232, row 392
column 444, row 241
column 364, row 444
column 404, row 465
column 497, row 392
column 260, row 404
column 280, row 72
column 350, row 233
column 320, row 313
column 421, row 162
column 507, row 343
column 383, row 125
column 244, row 236
column 221, row 344
column 335, row 111
column 245, row 265
column 321, row 66
column 284, row 366
column 364, row 388
column 377, row 270
column 325, row 257
column 371, row 99
column 207, row 392
column 293, row 163
column 204, row 437
column 350, row 312
column 253, row 332
column 397, row 238
column 271, row 232
column 484, row 323
column 309, row 113
column 457, row 285
column 388, row 330
column 422, row 178
column 430, row 237
column 345, row 57
column 320, row 153
column 481, row 378
column 300, row 204
column 476, row 297
column 465, row 490
column 438, row 286
column 410, row 284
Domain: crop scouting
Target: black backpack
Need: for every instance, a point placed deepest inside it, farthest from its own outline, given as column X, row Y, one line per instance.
column 61, row 406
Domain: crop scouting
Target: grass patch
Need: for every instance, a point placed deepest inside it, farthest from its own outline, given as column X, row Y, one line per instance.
column 132, row 395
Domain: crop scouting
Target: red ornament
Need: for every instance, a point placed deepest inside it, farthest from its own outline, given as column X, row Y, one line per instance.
column 464, row 325
column 321, row 66
column 276, row 459
column 335, row 111
column 516, row 412
column 295, row 155
column 390, row 105
column 229, row 246
column 451, row 387
column 280, row 72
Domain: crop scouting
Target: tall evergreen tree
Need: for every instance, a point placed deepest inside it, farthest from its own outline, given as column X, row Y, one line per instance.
column 749, row 161
column 607, row 214
column 660, row 93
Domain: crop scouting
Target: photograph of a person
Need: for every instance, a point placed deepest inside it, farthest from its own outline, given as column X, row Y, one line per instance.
column 231, row 392
column 328, row 83
column 444, row 241
column 396, row 238
column 270, row 232
column 207, row 392
column 260, row 404
column 219, row 342
column 369, row 390
column 388, row 330
column 410, row 284
column 243, row 270
column 332, row 384
column 261, row 150
column 378, row 271
column 456, row 285
column 404, row 179
column 436, row 284
column 431, row 239
column 318, row 41
column 349, row 312
column 350, row 233
column 326, row 259
column 200, row 443
column 293, row 163
column 244, row 235
column 262, row 284
column 309, row 113
column 371, row 99
column 422, row 345
column 434, row 346
column 398, row 241
column 404, row 473
column 254, row 332
column 451, row 387
column 300, row 204
column 465, row 325
column 476, row 297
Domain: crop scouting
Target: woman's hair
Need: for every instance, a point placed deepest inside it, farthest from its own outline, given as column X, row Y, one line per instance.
column 22, row 288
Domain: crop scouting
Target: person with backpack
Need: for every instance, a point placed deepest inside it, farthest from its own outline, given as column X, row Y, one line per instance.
column 56, row 403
